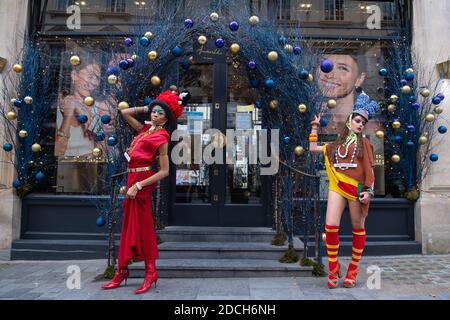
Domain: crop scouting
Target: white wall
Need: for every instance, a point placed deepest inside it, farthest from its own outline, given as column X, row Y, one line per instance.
column 431, row 44
column 13, row 22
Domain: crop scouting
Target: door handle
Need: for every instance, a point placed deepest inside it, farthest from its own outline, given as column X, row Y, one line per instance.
column 216, row 172
column 216, row 197
column 217, row 105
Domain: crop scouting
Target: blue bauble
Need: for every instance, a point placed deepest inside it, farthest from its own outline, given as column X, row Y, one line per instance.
column 324, row 122
column 434, row 157
column 258, row 104
column 82, row 118
column 185, row 64
column 251, row 64
column 303, row 74
column 234, row 26
column 282, row 40
column 403, row 82
column 18, row 103
column 383, row 72
column 254, row 83
column 177, row 51
column 100, row 221
column 105, row 119
column 112, row 141
column 219, row 42
column 410, row 143
column 326, row 66
column 409, row 76
column 412, row 99
column 147, row 100
column 442, row 129
column 398, row 138
column 123, row 64
column 99, row 136
column 297, row 50
column 130, row 62
column 16, row 184
column 415, row 106
column 411, row 128
column 269, row 83
column 7, row 147
column 436, row 100
column 113, row 71
column 128, row 42
column 188, row 23
column 40, row 176
column 144, row 41
column 286, row 139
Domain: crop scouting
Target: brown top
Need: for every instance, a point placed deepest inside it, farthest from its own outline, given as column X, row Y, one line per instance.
column 363, row 173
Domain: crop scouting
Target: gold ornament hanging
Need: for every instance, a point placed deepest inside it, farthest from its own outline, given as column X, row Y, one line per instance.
column 310, row 78
column 380, row 134
column 395, row 158
column 123, row 190
column 302, row 108
column 135, row 57
column 75, row 60
column 394, row 98
column 113, row 80
column 11, row 115
column 396, row 124
column 274, row 104
column 425, row 93
column 272, row 56
column 406, row 89
column 12, row 102
column 23, row 133
column 253, row 20
column 152, row 55
column 289, row 48
column 391, row 108
column 423, row 140
column 148, row 35
column 430, row 117
column 89, row 101
column 331, row 103
column 214, row 16
column 155, row 81
column 234, row 48
column 36, row 147
column 97, row 152
column 299, row 150
column 409, row 70
column 202, row 40
column 123, row 105
column 17, row 68
column 438, row 110
column 28, row 100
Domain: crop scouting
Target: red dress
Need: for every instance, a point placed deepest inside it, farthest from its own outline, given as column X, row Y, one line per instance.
column 138, row 236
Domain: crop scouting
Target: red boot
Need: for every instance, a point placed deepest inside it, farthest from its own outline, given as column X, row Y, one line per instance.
column 151, row 275
column 120, row 275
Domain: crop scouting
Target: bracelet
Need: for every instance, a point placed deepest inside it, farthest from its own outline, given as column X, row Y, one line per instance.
column 313, row 139
column 135, row 112
column 313, row 135
column 146, row 109
column 370, row 191
column 138, row 185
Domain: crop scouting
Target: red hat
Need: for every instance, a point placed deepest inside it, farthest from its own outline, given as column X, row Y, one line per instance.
column 172, row 100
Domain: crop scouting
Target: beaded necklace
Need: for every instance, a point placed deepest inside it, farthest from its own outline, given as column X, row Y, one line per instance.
column 138, row 139
column 337, row 155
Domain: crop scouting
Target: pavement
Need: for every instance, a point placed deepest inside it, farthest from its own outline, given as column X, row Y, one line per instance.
column 412, row 277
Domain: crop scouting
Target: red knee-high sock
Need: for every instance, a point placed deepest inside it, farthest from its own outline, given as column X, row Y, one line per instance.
column 359, row 241
column 332, row 241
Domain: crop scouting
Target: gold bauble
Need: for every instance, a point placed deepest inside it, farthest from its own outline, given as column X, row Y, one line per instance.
column 28, row 100
column 123, row 190
column 394, row 98
column 253, row 20
column 234, row 48
column 135, row 57
column 89, row 101
column 272, row 56
column 310, row 78
column 379, row 134
column 214, row 16
column 302, row 108
column 396, row 124
column 23, row 133
column 75, row 60
column 97, row 152
column 173, row 88
column 148, row 35
column 202, row 39
column 423, row 140
column 395, row 158
column 152, row 55
column 438, row 110
column 430, row 117
column 331, row 103
column 425, row 93
column 36, row 147
column 299, row 150
column 406, row 89
column 12, row 101
column 191, row 60
column 17, row 68
column 391, row 108
column 155, row 81
column 274, row 104
column 11, row 115
column 288, row 48
column 123, row 105
column 113, row 80
column 409, row 70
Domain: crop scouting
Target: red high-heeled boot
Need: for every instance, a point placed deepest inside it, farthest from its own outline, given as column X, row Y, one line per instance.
column 120, row 275
column 151, row 275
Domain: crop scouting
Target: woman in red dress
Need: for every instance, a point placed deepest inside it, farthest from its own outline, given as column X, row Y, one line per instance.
column 138, row 238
